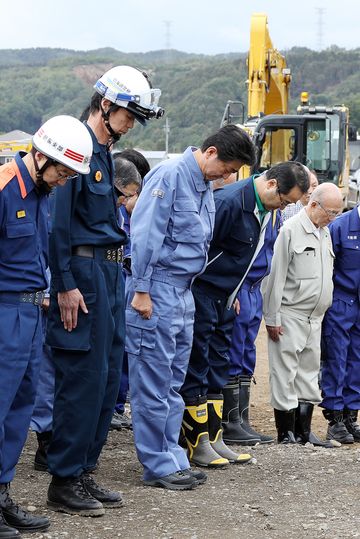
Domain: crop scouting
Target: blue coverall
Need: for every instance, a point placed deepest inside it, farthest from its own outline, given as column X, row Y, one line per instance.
column 340, row 378
column 23, row 263
column 236, row 236
column 171, row 228
column 242, row 352
column 85, row 254
column 124, row 382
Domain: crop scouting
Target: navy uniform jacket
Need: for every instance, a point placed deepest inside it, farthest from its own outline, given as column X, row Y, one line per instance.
column 23, row 230
column 262, row 263
column 345, row 234
column 235, row 238
column 85, row 214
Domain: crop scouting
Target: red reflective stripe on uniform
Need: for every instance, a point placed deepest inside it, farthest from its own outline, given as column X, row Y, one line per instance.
column 73, row 155
column 8, row 172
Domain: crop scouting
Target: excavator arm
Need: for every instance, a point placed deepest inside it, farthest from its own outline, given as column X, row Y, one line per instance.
column 268, row 76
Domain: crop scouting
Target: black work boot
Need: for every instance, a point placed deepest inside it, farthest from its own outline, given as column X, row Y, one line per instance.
column 68, row 495
column 198, row 475
column 233, row 431
column 215, row 411
column 40, row 461
column 6, row 532
column 285, row 425
column 303, row 433
column 115, row 421
column 244, row 403
column 195, row 429
column 15, row 517
column 336, row 428
column 174, row 481
column 107, row 497
column 351, row 424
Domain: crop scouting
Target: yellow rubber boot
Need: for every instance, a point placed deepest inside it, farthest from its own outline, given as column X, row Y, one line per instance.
column 215, row 408
column 195, row 430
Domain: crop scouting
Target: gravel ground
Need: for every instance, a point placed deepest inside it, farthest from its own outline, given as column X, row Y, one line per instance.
column 286, row 492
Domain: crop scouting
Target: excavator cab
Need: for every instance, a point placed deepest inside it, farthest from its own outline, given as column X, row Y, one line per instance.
column 315, row 138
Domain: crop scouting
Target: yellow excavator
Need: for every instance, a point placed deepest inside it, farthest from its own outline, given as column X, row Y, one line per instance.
column 15, row 146
column 316, row 136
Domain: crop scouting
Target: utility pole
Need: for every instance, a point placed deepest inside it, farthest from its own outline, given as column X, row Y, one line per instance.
column 167, row 131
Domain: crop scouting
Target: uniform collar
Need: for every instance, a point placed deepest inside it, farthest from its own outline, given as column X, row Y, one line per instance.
column 197, row 176
column 260, row 206
column 97, row 147
column 308, row 225
column 354, row 220
column 27, row 179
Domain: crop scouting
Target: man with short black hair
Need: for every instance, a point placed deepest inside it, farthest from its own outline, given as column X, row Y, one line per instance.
column 171, row 228
column 242, row 215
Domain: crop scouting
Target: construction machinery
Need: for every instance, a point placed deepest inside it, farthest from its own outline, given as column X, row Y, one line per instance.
column 317, row 136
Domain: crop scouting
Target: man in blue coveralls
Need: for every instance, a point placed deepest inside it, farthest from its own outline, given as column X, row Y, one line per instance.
column 171, row 229
column 242, row 352
column 61, row 148
column 340, row 378
column 242, row 215
column 86, row 323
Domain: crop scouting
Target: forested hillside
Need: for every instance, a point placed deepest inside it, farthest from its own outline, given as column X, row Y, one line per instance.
column 38, row 83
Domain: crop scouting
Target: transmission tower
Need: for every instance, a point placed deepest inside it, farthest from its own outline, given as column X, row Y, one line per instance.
column 320, row 27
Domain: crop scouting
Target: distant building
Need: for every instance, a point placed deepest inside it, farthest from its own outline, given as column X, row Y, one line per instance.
column 12, row 142
column 154, row 157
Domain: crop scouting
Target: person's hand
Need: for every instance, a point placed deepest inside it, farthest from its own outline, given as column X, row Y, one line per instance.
column 142, row 304
column 274, row 332
column 237, row 306
column 69, row 303
column 45, row 304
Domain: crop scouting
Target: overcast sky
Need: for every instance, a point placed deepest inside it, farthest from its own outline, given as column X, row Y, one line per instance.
column 200, row 26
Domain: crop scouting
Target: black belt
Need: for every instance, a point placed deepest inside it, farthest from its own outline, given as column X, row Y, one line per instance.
column 110, row 254
column 35, row 298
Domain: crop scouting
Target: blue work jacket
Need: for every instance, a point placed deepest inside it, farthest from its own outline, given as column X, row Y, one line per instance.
column 172, row 223
column 345, row 235
column 24, row 215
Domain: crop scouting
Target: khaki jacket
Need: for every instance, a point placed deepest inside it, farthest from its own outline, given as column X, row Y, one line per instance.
column 300, row 282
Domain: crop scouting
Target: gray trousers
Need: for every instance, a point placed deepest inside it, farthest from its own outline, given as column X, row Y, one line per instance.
column 294, row 363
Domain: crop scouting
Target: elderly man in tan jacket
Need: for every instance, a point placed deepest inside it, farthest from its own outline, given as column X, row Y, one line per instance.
column 298, row 292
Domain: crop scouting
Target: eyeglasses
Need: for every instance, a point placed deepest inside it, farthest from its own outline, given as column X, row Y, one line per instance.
column 332, row 214
column 121, row 194
column 284, row 201
column 64, row 176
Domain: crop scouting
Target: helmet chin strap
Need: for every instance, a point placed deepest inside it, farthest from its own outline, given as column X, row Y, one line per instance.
column 106, row 117
column 41, row 185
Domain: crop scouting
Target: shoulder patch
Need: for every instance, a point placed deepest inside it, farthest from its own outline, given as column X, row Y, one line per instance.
column 7, row 173
column 158, row 193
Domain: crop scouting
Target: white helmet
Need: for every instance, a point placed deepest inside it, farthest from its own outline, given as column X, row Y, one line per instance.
column 67, row 141
column 130, row 88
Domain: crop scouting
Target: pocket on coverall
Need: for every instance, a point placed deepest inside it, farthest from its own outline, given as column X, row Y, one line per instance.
column 79, row 339
column 139, row 332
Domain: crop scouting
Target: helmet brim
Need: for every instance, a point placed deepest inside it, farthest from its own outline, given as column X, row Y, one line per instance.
column 137, row 117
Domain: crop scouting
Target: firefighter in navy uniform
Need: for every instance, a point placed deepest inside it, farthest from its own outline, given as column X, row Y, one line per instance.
column 24, row 185
column 340, row 379
column 86, row 318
